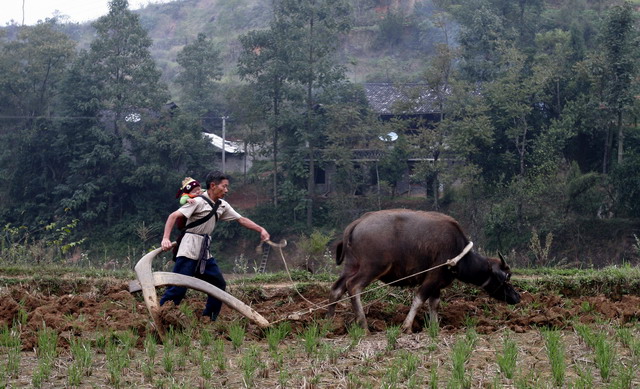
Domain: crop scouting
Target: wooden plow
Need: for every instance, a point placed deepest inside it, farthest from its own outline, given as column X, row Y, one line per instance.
column 148, row 281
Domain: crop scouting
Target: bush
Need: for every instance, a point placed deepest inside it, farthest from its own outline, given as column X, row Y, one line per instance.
column 391, row 30
column 626, row 180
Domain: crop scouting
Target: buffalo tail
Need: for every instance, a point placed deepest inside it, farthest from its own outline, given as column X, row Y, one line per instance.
column 339, row 256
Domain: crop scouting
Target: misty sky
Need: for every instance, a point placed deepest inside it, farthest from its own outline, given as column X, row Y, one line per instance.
column 76, row 10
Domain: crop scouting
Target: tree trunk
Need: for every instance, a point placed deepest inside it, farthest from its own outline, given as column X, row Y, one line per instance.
column 558, row 97
column 311, row 183
column 275, row 167
column 311, row 188
column 607, row 150
column 378, row 185
column 620, row 138
column 523, row 146
column 276, row 112
column 109, row 209
column 436, row 203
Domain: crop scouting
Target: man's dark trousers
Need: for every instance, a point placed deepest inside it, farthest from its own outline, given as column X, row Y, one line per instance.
column 211, row 275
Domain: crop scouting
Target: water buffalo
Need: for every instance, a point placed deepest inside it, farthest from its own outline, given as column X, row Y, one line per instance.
column 391, row 244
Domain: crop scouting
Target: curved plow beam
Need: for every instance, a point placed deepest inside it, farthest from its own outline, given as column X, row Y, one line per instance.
column 148, row 280
column 167, row 278
column 145, row 276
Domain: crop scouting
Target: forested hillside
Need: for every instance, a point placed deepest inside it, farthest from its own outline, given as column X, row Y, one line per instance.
column 387, row 40
column 532, row 142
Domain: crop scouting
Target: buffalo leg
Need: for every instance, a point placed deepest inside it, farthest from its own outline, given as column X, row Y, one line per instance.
column 424, row 293
column 417, row 303
column 355, row 287
column 337, row 290
column 356, row 303
column 408, row 321
column 433, row 307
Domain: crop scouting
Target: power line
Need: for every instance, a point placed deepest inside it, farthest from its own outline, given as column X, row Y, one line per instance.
column 93, row 117
column 48, row 117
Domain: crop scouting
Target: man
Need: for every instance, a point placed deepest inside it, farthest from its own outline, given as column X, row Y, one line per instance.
column 193, row 258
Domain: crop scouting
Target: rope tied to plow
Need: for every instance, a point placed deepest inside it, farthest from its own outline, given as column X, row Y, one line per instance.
column 279, row 246
column 295, row 316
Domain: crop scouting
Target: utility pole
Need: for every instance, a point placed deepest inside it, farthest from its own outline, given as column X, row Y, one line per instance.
column 224, row 142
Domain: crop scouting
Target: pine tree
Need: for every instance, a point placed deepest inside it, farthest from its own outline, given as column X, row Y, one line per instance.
column 201, row 69
column 121, row 63
column 126, row 89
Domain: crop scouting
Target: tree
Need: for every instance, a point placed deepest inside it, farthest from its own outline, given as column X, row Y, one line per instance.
column 247, row 109
column 349, row 125
column 32, row 68
column 619, row 40
column 126, row 75
column 90, row 150
column 480, row 32
column 314, row 26
column 264, row 61
column 289, row 63
column 552, row 65
column 470, row 134
column 432, row 141
column 32, row 161
column 512, row 96
column 136, row 186
column 393, row 164
column 126, row 87
column 626, row 178
column 201, row 69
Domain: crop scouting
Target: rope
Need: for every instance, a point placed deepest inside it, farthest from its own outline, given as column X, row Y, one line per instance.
column 289, row 274
column 451, row 262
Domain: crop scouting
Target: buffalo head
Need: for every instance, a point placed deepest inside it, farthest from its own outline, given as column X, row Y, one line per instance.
column 498, row 285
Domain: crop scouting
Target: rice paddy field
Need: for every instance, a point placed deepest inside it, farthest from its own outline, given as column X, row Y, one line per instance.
column 74, row 328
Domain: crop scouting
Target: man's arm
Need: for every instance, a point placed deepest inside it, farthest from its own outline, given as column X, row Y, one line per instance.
column 250, row 224
column 168, row 226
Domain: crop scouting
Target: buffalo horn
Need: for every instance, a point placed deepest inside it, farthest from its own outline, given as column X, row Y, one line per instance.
column 504, row 263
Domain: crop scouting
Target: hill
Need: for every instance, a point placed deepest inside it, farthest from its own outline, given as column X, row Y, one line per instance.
column 388, row 40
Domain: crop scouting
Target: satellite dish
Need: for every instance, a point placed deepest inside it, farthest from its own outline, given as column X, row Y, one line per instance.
column 392, row 136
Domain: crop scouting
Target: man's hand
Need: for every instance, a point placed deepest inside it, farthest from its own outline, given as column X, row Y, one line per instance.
column 264, row 235
column 167, row 244
column 168, row 226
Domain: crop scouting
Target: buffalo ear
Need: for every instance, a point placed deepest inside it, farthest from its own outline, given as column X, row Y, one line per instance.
column 500, row 274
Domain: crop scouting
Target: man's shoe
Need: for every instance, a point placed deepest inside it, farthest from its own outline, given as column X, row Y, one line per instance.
column 210, row 316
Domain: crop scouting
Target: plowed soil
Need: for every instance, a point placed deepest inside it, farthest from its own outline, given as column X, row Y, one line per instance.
column 114, row 308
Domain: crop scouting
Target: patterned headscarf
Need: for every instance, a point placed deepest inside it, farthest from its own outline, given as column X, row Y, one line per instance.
column 187, row 185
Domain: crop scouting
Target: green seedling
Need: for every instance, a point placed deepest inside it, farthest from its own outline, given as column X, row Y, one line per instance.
column 311, row 338
column 507, row 360
column 356, row 333
column 556, row 353
column 393, row 333
column 236, row 334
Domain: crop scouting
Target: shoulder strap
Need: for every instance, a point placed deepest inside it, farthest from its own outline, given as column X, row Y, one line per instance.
column 214, row 212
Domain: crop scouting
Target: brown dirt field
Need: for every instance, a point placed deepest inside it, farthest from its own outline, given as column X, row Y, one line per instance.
column 117, row 309
column 85, row 309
